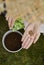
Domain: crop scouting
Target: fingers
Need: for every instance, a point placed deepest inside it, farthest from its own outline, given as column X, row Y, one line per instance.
column 25, row 34
column 36, row 37
column 27, row 42
column 10, row 22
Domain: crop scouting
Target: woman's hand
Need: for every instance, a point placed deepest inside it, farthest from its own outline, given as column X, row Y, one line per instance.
column 31, row 35
column 10, row 22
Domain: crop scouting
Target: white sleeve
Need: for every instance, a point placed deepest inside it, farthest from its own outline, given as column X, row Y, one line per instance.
column 42, row 28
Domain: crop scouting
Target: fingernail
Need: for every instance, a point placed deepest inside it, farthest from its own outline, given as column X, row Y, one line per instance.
column 26, row 48
column 23, row 47
column 6, row 18
column 10, row 28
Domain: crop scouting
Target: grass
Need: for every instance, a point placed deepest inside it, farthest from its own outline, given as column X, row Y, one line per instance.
column 33, row 56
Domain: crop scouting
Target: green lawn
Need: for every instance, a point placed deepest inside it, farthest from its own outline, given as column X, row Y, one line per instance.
column 33, row 56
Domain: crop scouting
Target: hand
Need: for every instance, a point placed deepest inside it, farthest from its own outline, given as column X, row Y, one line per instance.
column 10, row 22
column 31, row 35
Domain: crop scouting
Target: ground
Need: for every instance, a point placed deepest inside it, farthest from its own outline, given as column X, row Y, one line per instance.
column 33, row 56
